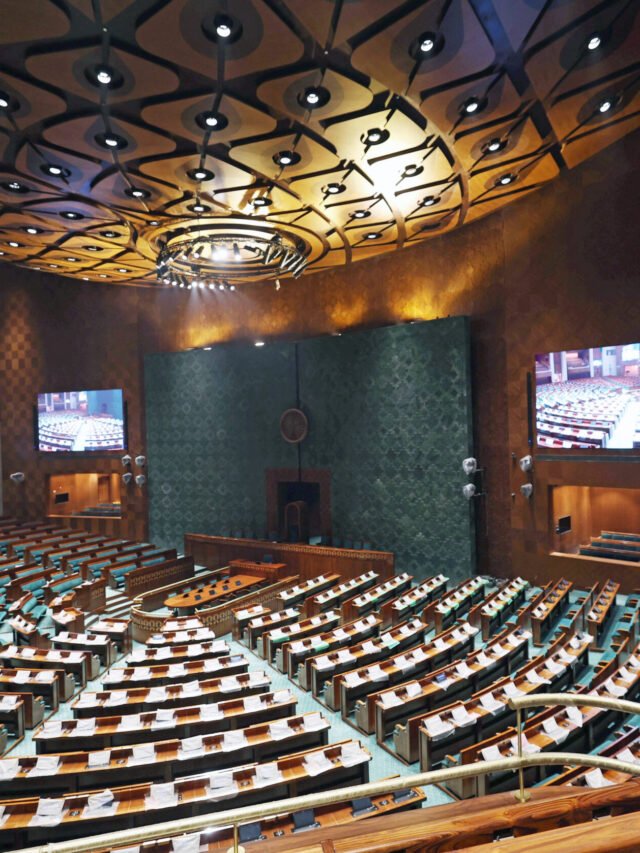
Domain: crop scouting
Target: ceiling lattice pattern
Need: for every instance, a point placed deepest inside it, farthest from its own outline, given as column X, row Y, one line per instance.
column 359, row 126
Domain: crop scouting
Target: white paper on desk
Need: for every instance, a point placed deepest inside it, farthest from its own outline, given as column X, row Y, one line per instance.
column 595, row 779
column 267, row 774
column 222, row 779
column 101, row 803
column 229, row 684
column 369, row 647
column 53, row 728
column 490, row 703
column 116, row 675
column 46, row 675
column 116, row 697
column 390, row 699
column 191, row 744
column 129, row 722
column 499, row 651
column 9, row 768
column 156, row 694
column 352, row 754
column 628, row 756
column 436, row 726
column 361, row 625
column 234, row 739
column 317, row 763
column 211, row 665
column 511, row 690
column 280, row 730
column 458, row 635
column 210, row 712
column 565, row 657
column 634, row 662
column 345, row 656
column 625, row 675
column 533, row 678
column 191, row 688
column 218, row 646
column 614, row 689
column 553, row 730
column 340, row 634
column 22, row 676
column 10, row 700
column 99, row 759
column 314, row 721
column 253, row 703
column 413, row 689
column 176, row 670
column 323, row 662
column 553, row 666
column 353, row 679
column 463, row 670
column 161, row 796
column 10, row 651
column 296, row 647
column 50, row 807
column 575, row 643
column 491, row 753
column 27, row 652
column 85, row 700
column 574, row 715
column 528, row 748
column 419, row 655
column 136, row 655
column 186, row 843
column 281, row 696
column 483, row 660
column 375, row 673
column 45, row 765
column 142, row 753
column 140, row 673
column 440, row 644
column 86, row 725
column 462, row 717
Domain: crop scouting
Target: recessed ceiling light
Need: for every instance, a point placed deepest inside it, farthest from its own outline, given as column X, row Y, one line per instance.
column 102, row 275
column 334, row 188
column 54, row 171
column 286, row 158
column 426, row 45
column 71, row 260
column 54, row 266
column 594, row 42
column 4, row 101
column 372, row 235
column 412, row 170
column 14, row 244
column 232, row 287
column 504, row 180
column 429, row 201
column 211, row 121
column 605, row 106
column 122, row 269
column 201, row 174
column 109, row 234
column 1, row 253
column 314, row 97
column 471, row 106
column 85, row 278
column 224, row 26
column 136, row 192
column 154, row 222
column 112, row 141
column 15, row 187
column 262, row 201
column 198, row 207
column 32, row 230
column 494, row 145
column 259, row 343
column 92, row 248
column 71, row 214
column 207, row 349
column 104, row 76
column 221, row 286
column 375, row 136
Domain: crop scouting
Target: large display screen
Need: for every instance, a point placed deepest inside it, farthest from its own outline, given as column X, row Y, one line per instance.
column 589, row 398
column 81, row 421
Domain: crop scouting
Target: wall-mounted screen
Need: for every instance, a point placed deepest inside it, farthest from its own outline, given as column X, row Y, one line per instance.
column 589, row 398
column 81, row 421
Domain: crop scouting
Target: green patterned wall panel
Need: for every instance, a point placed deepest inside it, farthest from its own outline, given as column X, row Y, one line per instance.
column 390, row 414
column 212, row 422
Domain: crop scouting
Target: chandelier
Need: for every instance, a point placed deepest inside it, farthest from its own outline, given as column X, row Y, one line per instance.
column 221, row 255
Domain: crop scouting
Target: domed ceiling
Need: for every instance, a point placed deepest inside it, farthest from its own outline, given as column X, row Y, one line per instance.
column 212, row 143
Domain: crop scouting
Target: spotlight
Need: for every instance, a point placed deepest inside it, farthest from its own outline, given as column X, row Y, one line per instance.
column 494, row 145
column 14, row 244
column 154, row 222
column 334, row 188
column 469, row 466
column 361, row 214
column 469, row 491
column 109, row 234
column 126, row 460
column 594, row 42
column 262, row 201
column 122, row 269
column 375, row 136
column 314, row 97
column 71, row 214
column 425, row 46
column 32, row 230
column 411, row 170
column 605, row 106
column 198, row 207
column 210, row 120
column 4, row 101
column 55, row 267
column 429, row 201
column 200, row 174
column 286, row 158
column 224, row 26
column 15, row 187
column 259, row 343
column 71, row 260
column 232, row 287
column 92, row 248
column 221, row 286
column 136, row 192
column 471, row 106
column 372, row 235
column 54, row 171
column 18, row 477
column 526, row 490
column 505, row 180
column 526, row 463
column 111, row 141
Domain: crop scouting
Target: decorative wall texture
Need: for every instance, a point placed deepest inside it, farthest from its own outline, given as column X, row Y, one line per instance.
column 390, row 416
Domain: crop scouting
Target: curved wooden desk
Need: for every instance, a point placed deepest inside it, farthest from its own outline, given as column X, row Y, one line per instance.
column 203, row 595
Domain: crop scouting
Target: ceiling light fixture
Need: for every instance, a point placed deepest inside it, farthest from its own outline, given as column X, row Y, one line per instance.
column 334, row 189
column 109, row 234
column 605, row 106
column 92, row 248
column 429, row 201
column 262, row 201
column 471, row 106
column 427, row 45
column 494, row 145
column 15, row 187
column 505, row 180
column 361, row 214
column 136, row 192
column 14, row 244
column 594, row 41
column 372, row 235
column 198, row 207
column 286, row 158
column 4, row 101
column 314, row 97
column 224, row 26
column 201, row 174
column 259, row 343
column 71, row 260
column 211, row 121
column 111, row 141
column 31, row 230
column 375, row 136
column 71, row 214
column 54, row 171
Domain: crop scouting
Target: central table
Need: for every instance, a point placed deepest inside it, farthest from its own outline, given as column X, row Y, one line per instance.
column 186, row 602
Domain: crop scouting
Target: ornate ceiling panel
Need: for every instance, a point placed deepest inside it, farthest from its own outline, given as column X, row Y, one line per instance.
column 231, row 142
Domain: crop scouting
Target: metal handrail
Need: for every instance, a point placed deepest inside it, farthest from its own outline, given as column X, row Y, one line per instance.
column 247, row 814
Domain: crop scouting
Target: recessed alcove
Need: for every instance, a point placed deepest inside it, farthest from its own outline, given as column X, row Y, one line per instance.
column 93, row 494
column 581, row 514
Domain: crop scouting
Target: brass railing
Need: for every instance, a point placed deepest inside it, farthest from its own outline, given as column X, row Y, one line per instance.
column 235, row 817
